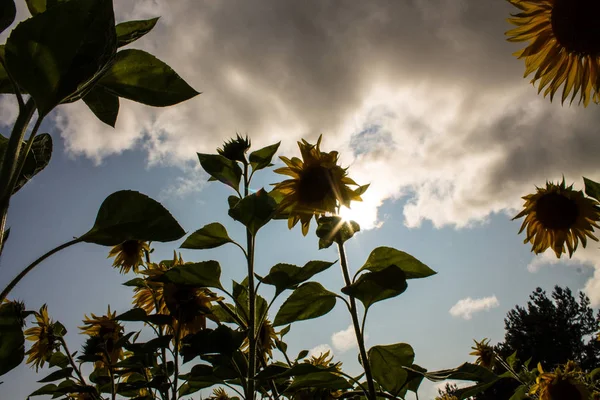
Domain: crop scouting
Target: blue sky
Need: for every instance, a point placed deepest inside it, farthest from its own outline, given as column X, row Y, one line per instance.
column 428, row 107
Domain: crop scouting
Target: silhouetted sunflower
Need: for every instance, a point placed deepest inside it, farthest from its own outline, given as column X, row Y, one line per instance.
column 235, row 149
column 109, row 331
column 557, row 215
column 219, row 394
column 265, row 341
column 324, row 360
column 564, row 45
column 318, row 185
column 484, row 352
column 128, row 255
column 560, row 385
column 45, row 342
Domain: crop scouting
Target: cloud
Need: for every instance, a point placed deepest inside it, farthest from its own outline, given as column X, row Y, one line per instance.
column 465, row 308
column 583, row 257
column 422, row 99
column 193, row 181
column 344, row 340
column 320, row 349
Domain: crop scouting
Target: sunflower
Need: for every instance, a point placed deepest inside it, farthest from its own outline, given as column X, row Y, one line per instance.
column 446, row 396
column 189, row 306
column 109, row 331
column 319, row 185
column 563, row 45
column 219, row 394
column 484, row 352
column 265, row 341
column 235, row 149
column 559, row 385
column 324, row 360
column 45, row 340
column 558, row 215
column 128, row 255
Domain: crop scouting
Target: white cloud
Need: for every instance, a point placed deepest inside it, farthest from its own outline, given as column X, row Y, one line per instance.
column 192, row 182
column 344, row 340
column 465, row 308
column 586, row 257
column 320, row 349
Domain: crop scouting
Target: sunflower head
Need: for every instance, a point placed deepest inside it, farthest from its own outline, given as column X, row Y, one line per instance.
column 129, row 255
column 484, row 353
column 324, row 360
column 219, row 394
column 46, row 341
column 108, row 331
column 235, row 149
column 265, row 342
column 318, row 185
column 563, row 48
column 446, row 396
column 561, row 384
column 556, row 216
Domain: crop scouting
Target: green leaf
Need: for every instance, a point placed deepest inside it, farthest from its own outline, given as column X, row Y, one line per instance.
column 335, row 229
column 8, row 11
column 464, row 372
column 470, row 391
column 262, row 158
column 59, row 53
column 12, row 340
column 299, row 369
column 254, row 211
column 414, row 378
column 50, row 388
column 310, row 300
column 58, row 359
column 5, row 235
column 321, row 380
column 37, row 159
column 103, row 104
column 141, row 77
column 302, row 355
column 222, row 315
column 130, row 31
column 512, row 360
column 240, row 294
column 208, row 237
column 139, row 315
column 372, row 287
column 200, row 274
column 135, row 282
column 221, row 340
column 6, row 85
column 387, row 362
column 222, row 169
column 36, row 6
column 592, row 188
column 287, row 276
column 383, row 257
column 520, row 393
column 129, row 215
column 56, row 375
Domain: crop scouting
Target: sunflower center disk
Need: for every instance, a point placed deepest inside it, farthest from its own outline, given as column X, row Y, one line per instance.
column 556, row 212
column 575, row 25
column 314, row 185
column 564, row 390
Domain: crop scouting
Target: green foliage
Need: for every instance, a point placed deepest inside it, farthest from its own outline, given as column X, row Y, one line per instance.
column 387, row 364
column 130, row 215
column 310, row 300
column 57, row 54
column 222, row 169
column 383, row 257
column 103, row 104
column 36, row 160
column 12, row 340
column 208, row 237
column 130, row 31
column 372, row 287
column 254, row 211
column 262, row 158
column 8, row 11
column 320, row 380
column 335, row 229
column 288, row 276
column 200, row 274
column 592, row 188
column 57, row 375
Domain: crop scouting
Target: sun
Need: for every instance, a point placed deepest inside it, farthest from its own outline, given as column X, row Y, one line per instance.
column 363, row 212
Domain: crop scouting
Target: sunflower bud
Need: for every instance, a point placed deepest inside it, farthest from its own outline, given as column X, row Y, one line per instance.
column 235, row 149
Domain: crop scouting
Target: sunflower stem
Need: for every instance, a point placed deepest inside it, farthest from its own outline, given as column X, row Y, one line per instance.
column 371, row 395
column 176, row 360
column 31, row 266
column 72, row 362
column 250, row 242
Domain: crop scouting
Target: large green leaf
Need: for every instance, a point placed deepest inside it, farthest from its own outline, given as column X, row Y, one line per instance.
column 208, row 237
column 39, row 6
column 383, row 257
column 254, row 211
column 56, row 375
column 6, row 85
column 221, row 169
column 262, row 158
column 12, row 340
column 240, row 294
column 130, row 31
column 200, row 274
column 221, row 340
column 372, row 287
column 300, row 369
column 103, row 104
column 387, row 364
column 310, row 300
column 58, row 53
column 130, row 215
column 141, row 77
column 287, row 276
column 464, row 372
column 321, row 380
column 37, row 159
column 8, row 11
column 592, row 188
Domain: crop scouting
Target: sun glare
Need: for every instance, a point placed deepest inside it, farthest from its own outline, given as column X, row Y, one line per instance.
column 363, row 213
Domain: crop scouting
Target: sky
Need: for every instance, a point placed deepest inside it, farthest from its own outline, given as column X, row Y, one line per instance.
column 422, row 99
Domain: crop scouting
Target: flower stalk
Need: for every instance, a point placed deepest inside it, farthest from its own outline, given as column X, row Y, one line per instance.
column 250, row 242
